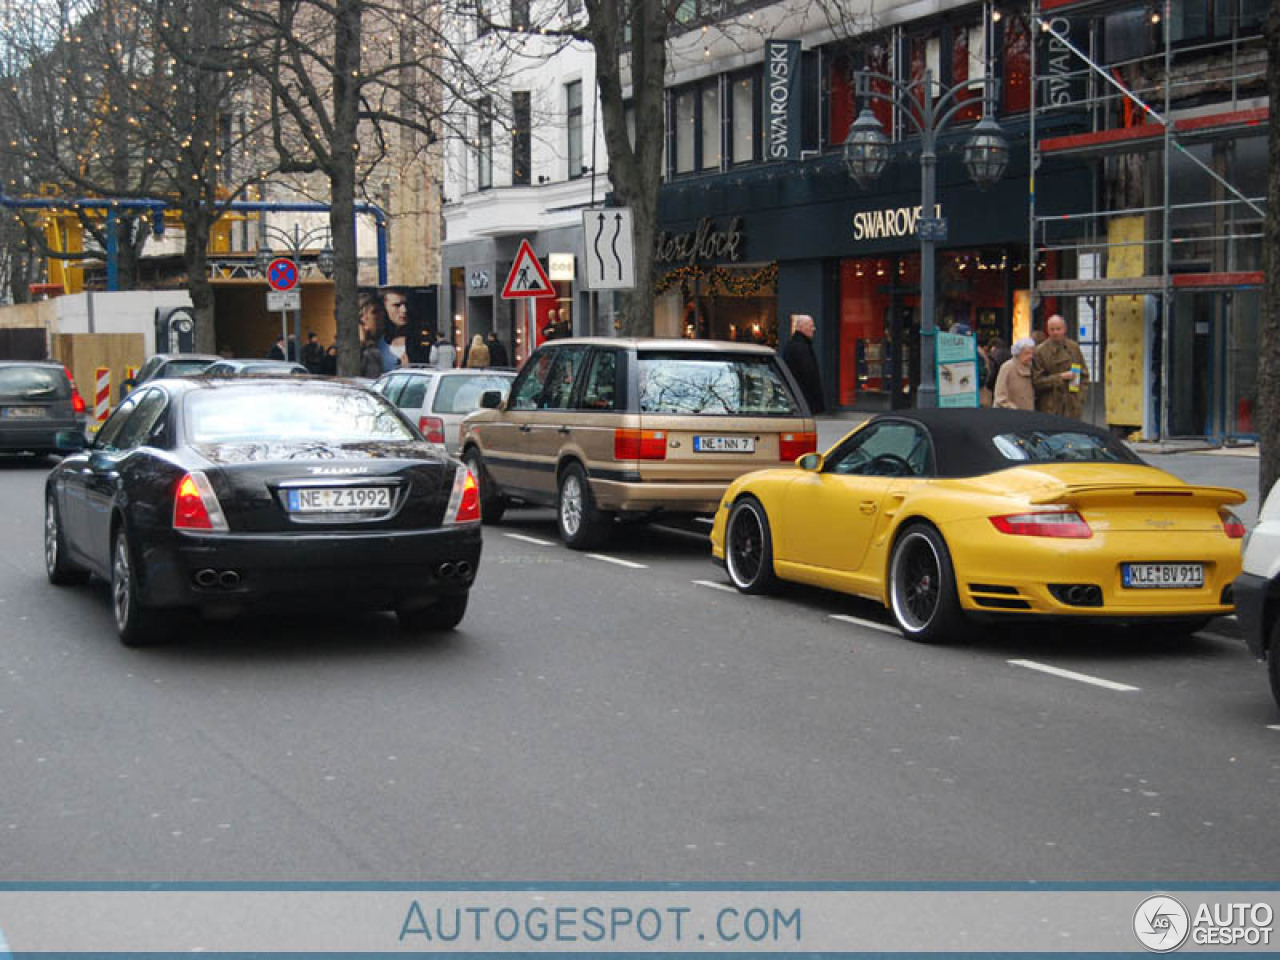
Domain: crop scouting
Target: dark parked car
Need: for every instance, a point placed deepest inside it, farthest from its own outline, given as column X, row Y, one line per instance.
column 223, row 495
column 37, row 402
column 163, row 365
column 235, row 368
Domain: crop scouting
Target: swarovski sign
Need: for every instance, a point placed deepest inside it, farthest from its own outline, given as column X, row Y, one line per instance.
column 782, row 100
column 893, row 222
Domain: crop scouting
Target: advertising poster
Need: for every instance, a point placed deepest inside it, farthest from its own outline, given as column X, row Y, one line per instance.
column 956, row 355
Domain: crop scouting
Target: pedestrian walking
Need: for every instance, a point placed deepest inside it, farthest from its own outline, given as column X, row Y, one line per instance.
column 1013, row 389
column 277, row 350
column 477, row 353
column 800, row 359
column 313, row 354
column 444, row 355
column 329, row 366
column 497, row 351
column 1058, row 372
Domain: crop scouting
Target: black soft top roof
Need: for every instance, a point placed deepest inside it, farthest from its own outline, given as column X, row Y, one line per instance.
column 962, row 438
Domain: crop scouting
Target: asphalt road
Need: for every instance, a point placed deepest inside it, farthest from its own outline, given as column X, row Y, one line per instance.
column 621, row 716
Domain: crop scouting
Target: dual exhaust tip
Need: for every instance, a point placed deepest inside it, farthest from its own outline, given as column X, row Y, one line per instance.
column 1078, row 594
column 208, row 578
column 449, row 570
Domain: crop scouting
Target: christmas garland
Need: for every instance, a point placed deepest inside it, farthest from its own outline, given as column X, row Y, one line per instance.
column 722, row 280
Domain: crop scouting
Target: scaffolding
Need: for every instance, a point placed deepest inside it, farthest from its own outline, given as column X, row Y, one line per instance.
column 1149, row 91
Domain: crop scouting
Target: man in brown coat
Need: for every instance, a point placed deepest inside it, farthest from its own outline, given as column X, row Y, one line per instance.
column 1059, row 373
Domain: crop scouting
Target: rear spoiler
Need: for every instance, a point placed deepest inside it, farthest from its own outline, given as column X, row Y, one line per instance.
column 1172, row 495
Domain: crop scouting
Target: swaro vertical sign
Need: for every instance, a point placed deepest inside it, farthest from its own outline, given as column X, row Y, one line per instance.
column 782, row 100
column 1064, row 78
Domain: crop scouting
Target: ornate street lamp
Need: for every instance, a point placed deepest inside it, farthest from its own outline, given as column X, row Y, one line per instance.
column 324, row 260
column 866, row 149
column 263, row 259
column 866, row 153
column 987, row 153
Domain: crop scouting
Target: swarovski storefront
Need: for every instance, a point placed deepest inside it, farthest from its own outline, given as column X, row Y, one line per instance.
column 737, row 254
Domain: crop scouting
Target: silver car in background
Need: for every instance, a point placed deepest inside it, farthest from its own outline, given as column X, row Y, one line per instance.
column 438, row 400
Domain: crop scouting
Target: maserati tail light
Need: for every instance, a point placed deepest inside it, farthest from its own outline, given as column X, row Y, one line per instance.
column 195, row 505
column 464, row 499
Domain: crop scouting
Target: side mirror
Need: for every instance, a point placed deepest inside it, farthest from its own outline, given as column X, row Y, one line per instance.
column 491, row 400
column 810, row 461
column 69, row 441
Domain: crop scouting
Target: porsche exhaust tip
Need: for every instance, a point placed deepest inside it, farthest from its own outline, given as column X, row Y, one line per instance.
column 1077, row 594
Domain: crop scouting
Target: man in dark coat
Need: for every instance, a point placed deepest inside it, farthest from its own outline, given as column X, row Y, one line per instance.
column 800, row 359
column 497, row 351
column 312, row 354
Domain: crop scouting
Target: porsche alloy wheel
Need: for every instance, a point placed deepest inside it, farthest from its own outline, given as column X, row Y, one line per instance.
column 748, row 547
column 922, row 587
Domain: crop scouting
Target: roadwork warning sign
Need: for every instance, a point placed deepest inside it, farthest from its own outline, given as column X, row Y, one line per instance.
column 527, row 278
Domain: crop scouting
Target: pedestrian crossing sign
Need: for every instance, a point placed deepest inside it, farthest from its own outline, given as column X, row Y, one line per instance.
column 527, row 278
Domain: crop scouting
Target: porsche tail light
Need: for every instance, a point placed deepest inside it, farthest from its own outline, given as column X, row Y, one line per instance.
column 1232, row 525
column 464, row 499
column 195, row 505
column 1062, row 524
column 77, row 401
column 432, row 428
column 792, row 445
column 639, row 445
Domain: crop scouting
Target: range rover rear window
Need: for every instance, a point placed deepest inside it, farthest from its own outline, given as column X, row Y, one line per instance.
column 714, row 384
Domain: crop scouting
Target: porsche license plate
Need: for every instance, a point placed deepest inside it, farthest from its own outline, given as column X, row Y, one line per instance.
column 25, row 413
column 340, row 500
column 1167, row 576
column 724, row 444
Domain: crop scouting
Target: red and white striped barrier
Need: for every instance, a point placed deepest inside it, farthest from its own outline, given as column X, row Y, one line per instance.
column 102, row 393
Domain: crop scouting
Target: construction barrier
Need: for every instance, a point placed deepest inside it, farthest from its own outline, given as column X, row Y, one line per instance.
column 126, row 384
column 102, row 394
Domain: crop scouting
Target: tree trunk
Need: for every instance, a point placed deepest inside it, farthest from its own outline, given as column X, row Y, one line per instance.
column 634, row 173
column 342, row 182
column 195, row 253
column 1268, row 401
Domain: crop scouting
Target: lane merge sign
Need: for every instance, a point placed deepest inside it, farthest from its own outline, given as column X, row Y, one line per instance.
column 282, row 274
column 610, row 249
column 527, row 278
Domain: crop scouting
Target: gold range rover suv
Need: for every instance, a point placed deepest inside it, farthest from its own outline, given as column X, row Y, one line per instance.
column 603, row 428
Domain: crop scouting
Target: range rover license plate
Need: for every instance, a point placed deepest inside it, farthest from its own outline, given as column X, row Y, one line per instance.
column 724, row 444
column 1167, row 576
column 340, row 500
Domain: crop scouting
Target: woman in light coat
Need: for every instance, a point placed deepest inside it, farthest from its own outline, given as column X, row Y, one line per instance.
column 478, row 353
column 1013, row 384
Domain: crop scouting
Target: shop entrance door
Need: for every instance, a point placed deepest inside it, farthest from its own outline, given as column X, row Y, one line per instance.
column 903, row 329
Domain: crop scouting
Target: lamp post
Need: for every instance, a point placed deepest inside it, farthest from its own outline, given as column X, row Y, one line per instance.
column 866, row 153
column 294, row 243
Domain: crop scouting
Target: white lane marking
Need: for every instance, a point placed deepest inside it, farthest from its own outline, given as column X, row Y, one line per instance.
column 707, row 520
column 1273, row 726
column 1072, row 675
column 521, row 536
column 858, row 621
column 620, row 562
column 687, row 534
column 716, row 586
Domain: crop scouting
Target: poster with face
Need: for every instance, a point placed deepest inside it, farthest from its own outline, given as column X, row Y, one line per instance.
column 956, row 355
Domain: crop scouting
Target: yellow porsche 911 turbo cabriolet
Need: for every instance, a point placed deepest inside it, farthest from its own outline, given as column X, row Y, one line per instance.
column 946, row 516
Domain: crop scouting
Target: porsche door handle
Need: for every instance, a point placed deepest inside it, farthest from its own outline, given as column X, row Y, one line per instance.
column 525, row 428
column 867, row 506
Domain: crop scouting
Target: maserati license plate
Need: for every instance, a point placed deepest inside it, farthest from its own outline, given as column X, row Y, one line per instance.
column 340, row 500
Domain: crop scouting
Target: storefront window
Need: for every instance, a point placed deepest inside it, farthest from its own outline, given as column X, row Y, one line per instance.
column 686, row 130
column 1015, row 61
column 737, row 303
column 969, row 62
column 744, row 117
column 710, row 123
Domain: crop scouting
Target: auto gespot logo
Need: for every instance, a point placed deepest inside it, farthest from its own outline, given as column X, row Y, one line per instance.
column 1162, row 924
